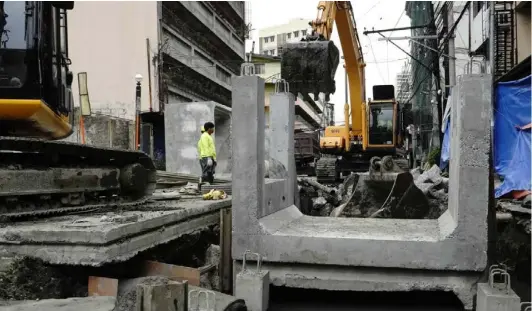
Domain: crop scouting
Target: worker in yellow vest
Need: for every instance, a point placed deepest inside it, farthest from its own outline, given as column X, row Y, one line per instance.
column 207, row 153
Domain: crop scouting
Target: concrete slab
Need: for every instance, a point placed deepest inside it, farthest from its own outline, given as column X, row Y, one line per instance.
column 182, row 132
column 69, row 304
column 101, row 238
column 457, row 241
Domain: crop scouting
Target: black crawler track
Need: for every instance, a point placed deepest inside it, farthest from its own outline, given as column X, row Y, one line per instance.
column 21, row 154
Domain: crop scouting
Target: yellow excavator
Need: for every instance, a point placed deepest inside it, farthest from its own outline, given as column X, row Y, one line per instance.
column 40, row 175
column 372, row 129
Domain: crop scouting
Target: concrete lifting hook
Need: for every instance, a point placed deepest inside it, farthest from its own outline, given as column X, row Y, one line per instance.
column 247, row 69
column 498, row 270
column 259, row 261
column 210, row 300
column 281, row 86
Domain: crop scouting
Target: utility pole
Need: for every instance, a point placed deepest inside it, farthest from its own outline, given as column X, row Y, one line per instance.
column 452, row 62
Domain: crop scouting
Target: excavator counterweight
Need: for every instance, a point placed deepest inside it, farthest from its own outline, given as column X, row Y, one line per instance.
column 310, row 66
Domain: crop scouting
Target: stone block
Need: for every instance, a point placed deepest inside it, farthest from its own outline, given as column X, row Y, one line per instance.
column 496, row 299
column 163, row 297
column 253, row 286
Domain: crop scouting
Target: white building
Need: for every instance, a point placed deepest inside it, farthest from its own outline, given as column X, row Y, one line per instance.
column 403, row 88
column 271, row 39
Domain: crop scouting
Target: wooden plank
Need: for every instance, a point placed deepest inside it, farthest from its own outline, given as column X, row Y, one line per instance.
column 173, row 272
column 100, row 286
column 225, row 269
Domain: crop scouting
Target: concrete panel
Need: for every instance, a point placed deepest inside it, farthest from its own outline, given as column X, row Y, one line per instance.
column 248, row 155
column 455, row 242
column 95, row 240
column 80, row 304
column 182, row 122
column 282, row 118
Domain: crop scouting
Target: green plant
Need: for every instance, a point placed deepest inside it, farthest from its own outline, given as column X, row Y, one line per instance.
column 434, row 157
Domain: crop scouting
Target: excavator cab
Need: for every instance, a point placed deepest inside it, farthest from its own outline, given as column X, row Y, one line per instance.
column 382, row 118
column 35, row 82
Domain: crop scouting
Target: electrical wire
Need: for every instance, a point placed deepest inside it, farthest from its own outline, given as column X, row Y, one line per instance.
column 375, row 60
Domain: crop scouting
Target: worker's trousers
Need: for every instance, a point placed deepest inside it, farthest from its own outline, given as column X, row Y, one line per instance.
column 207, row 172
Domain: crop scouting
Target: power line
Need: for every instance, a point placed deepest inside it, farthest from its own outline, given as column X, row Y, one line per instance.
column 375, row 60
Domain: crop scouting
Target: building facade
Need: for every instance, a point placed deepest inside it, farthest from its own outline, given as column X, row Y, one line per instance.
column 202, row 46
column 272, row 39
column 185, row 52
column 403, row 85
column 512, row 35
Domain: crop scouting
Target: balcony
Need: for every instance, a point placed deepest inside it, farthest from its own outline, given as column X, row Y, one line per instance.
column 216, row 25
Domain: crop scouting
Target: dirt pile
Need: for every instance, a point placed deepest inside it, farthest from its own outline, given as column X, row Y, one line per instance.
column 415, row 195
column 31, row 279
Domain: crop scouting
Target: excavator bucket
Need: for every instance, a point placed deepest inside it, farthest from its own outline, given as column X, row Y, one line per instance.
column 388, row 191
column 310, row 66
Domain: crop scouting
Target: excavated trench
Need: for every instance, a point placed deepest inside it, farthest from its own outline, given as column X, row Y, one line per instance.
column 31, row 279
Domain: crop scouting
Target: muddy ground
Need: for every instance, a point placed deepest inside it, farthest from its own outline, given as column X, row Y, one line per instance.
column 31, row 279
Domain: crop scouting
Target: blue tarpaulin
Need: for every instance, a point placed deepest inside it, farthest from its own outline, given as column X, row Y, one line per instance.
column 512, row 146
column 512, row 151
column 446, row 146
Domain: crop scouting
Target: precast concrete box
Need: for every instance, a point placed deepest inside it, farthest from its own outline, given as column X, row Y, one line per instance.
column 364, row 254
column 182, row 123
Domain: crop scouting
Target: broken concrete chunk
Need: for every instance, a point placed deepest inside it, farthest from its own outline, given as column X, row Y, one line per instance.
column 432, row 175
column 416, row 172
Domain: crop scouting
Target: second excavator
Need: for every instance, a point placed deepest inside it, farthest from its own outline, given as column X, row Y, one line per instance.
column 372, row 129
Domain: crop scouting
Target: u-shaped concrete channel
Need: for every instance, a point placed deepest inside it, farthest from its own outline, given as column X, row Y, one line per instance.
column 388, row 255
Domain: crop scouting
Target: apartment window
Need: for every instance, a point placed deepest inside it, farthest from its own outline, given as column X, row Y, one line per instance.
column 296, row 33
column 272, row 38
column 265, row 39
column 260, row 69
column 272, row 52
column 279, row 51
column 289, row 35
column 304, row 32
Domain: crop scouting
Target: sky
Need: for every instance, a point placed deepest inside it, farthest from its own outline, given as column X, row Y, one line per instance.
column 383, row 59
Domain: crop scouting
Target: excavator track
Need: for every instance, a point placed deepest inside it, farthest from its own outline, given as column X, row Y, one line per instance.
column 43, row 179
column 326, row 170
